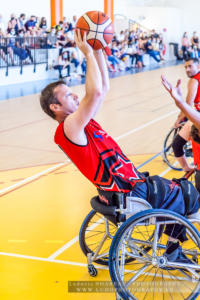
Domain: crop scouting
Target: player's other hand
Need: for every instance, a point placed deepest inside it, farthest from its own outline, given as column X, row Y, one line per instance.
column 82, row 43
column 175, row 92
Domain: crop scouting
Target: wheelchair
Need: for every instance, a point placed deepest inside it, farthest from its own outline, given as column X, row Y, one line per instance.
column 168, row 153
column 133, row 245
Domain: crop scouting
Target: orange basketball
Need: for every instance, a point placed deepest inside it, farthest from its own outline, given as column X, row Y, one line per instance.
column 99, row 28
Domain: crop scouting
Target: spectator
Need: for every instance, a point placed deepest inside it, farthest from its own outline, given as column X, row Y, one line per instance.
column 63, row 63
column 121, row 36
column 149, row 49
column 185, row 46
column 43, row 24
column 13, row 23
column 52, row 38
column 195, row 45
column 31, row 23
column 21, row 22
column 60, row 26
column 78, row 60
column 74, row 21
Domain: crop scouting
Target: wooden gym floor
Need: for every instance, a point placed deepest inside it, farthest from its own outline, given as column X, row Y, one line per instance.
column 44, row 199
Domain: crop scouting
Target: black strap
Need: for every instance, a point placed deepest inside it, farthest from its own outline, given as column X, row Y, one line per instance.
column 156, row 190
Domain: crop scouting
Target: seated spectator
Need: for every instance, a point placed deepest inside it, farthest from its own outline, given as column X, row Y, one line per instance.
column 78, row 59
column 124, row 56
column 13, row 23
column 63, row 63
column 73, row 22
column 31, row 23
column 149, row 50
column 43, row 24
column 68, row 27
column 61, row 38
column 60, row 26
column 154, row 35
column 121, row 36
column 52, row 38
column 195, row 45
column 21, row 22
column 22, row 51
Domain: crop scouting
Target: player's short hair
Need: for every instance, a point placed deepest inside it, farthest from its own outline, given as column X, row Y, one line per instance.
column 195, row 134
column 194, row 59
column 48, row 97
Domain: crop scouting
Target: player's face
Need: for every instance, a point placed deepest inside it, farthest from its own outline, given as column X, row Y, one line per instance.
column 69, row 101
column 191, row 68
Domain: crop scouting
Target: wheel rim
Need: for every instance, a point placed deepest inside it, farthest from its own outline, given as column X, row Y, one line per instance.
column 141, row 275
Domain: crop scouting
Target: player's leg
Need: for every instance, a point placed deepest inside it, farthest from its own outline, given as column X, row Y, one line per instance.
column 178, row 144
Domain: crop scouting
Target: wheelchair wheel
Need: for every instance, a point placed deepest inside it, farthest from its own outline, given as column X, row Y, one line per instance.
column 91, row 235
column 168, row 153
column 150, row 275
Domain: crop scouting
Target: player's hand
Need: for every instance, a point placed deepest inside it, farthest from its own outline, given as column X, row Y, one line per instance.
column 82, row 43
column 177, row 124
column 175, row 92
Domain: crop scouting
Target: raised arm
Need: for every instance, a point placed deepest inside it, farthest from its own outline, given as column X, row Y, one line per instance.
column 75, row 123
column 191, row 94
column 101, row 61
column 176, row 94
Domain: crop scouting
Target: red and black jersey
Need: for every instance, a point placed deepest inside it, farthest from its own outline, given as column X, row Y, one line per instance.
column 197, row 98
column 196, row 154
column 101, row 160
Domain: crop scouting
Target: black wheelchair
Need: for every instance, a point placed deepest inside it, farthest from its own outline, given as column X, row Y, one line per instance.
column 168, row 153
column 133, row 245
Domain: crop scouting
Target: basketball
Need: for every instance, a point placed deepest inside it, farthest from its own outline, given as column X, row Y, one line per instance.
column 99, row 28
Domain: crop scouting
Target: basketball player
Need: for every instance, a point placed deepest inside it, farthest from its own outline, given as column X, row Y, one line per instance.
column 94, row 152
column 194, row 117
column 193, row 98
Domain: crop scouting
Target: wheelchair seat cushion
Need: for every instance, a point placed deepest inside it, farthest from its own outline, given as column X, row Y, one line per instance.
column 108, row 211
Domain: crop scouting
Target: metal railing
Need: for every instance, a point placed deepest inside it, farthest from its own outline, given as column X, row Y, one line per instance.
column 23, row 51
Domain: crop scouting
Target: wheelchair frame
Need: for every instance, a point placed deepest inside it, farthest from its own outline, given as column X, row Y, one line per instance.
column 167, row 151
column 125, row 252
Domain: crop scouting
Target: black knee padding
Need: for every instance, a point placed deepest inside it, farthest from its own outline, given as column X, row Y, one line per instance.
column 197, row 180
column 178, row 145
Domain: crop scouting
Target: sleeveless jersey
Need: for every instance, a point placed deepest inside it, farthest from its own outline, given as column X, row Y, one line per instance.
column 197, row 98
column 101, row 160
column 196, row 154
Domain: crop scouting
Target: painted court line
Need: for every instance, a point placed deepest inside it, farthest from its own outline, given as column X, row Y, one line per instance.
column 49, row 260
column 146, row 125
column 73, row 263
column 29, row 179
column 74, row 240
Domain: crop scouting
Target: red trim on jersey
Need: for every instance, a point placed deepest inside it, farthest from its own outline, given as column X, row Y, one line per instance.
column 101, row 160
column 197, row 98
column 196, row 154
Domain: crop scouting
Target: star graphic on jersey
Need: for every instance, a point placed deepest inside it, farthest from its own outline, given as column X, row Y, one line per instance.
column 115, row 168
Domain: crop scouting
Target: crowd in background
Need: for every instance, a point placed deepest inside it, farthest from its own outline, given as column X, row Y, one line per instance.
column 127, row 47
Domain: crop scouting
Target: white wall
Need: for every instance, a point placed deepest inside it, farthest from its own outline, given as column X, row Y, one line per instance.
column 178, row 15
column 79, row 7
column 154, row 18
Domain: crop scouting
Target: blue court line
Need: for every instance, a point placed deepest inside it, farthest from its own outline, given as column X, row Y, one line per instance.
column 147, row 161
